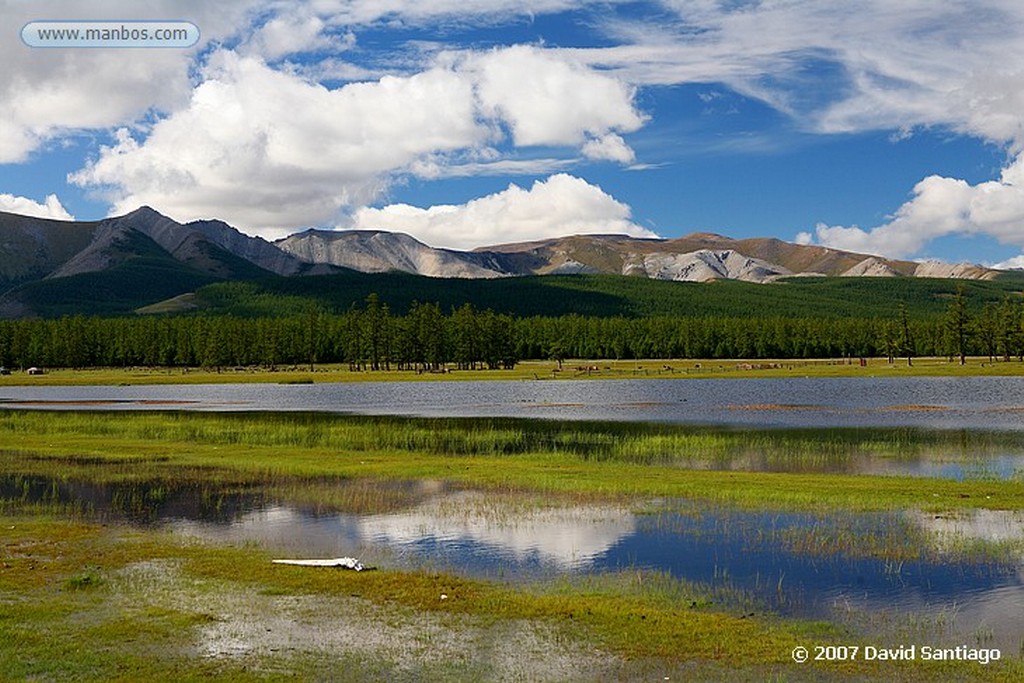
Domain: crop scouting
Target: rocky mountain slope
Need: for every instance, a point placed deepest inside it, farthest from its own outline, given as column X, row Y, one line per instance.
column 699, row 257
column 371, row 251
column 44, row 260
column 140, row 257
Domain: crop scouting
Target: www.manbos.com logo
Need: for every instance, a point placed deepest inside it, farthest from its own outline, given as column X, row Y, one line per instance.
column 110, row 34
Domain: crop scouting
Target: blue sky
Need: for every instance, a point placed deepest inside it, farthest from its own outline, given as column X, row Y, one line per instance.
column 889, row 128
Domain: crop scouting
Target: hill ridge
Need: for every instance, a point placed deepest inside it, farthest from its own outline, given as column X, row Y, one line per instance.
column 40, row 258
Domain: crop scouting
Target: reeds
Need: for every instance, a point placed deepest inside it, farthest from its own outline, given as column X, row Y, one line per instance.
column 643, row 444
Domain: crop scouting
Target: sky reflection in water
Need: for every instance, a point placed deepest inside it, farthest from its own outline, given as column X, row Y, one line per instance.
column 760, row 555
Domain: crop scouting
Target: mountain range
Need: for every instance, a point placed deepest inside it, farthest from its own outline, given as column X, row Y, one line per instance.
column 121, row 263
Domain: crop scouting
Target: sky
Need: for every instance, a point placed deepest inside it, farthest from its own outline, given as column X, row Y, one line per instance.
column 892, row 128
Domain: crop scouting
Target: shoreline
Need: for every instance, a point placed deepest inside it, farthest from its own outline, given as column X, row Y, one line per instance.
column 527, row 370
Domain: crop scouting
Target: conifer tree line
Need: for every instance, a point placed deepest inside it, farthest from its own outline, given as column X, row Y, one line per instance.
column 370, row 337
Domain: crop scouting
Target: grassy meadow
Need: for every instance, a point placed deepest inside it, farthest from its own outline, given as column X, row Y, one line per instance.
column 87, row 597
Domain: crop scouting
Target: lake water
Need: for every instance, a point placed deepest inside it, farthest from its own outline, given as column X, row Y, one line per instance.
column 937, row 402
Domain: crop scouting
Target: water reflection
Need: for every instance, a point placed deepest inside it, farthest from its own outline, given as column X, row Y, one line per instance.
column 567, row 537
column 139, row 502
column 461, row 531
column 939, row 461
column 805, row 565
column 770, row 559
column 951, row 529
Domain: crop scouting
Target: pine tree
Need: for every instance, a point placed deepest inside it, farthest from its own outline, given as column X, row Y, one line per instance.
column 958, row 324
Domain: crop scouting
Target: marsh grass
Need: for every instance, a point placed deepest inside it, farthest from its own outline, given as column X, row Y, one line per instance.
column 783, row 450
column 89, row 579
column 601, row 460
column 659, row 588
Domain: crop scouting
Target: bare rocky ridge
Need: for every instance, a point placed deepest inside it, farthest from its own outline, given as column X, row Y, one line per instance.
column 699, row 257
column 372, row 251
column 704, row 265
column 872, row 267
column 253, row 249
column 959, row 271
column 33, row 248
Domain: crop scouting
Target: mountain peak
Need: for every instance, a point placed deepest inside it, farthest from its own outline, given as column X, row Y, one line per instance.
column 709, row 236
column 144, row 211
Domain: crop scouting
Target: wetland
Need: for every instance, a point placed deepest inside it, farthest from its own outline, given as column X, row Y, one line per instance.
column 592, row 542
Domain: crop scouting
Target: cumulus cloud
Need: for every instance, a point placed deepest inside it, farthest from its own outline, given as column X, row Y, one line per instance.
column 302, row 152
column 1015, row 263
column 290, row 34
column 263, row 149
column 270, row 151
column 548, row 100
column 942, row 206
column 47, row 93
column 610, row 147
column 561, row 205
column 50, row 208
column 804, row 238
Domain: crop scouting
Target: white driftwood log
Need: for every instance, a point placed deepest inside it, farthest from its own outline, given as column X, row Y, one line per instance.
column 342, row 562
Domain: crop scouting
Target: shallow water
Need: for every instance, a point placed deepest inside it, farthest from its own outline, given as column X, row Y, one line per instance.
column 796, row 564
column 936, row 402
column 753, row 560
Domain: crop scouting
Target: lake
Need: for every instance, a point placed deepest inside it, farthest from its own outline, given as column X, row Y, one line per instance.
column 935, row 402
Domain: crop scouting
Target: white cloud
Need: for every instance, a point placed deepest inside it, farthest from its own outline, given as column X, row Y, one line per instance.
column 415, row 12
column 803, row 238
column 1015, row 263
column 452, row 168
column 610, row 147
column 549, row 100
column 50, row 208
column 301, row 152
column 943, row 206
column 46, row 93
column 841, row 66
column 264, row 149
column 269, row 151
column 291, row 33
column 561, row 205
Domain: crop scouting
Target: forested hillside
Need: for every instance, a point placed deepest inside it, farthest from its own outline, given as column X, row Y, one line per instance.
column 607, row 295
column 428, row 336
